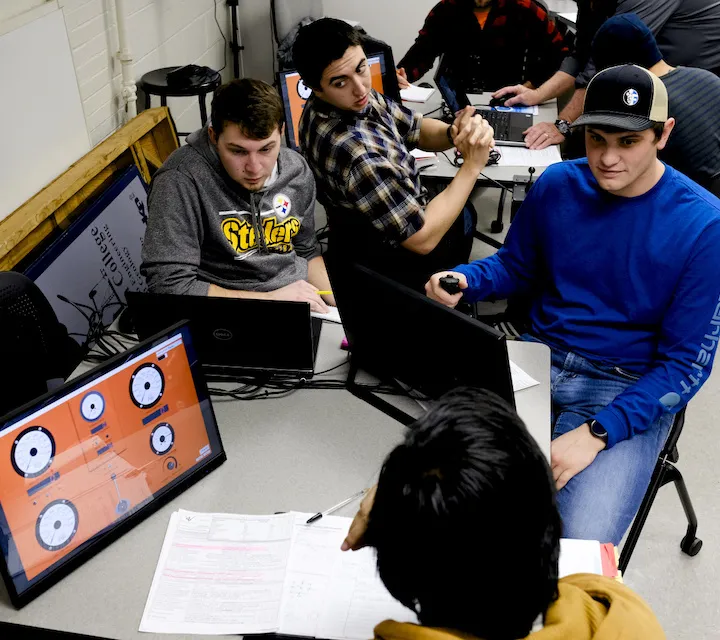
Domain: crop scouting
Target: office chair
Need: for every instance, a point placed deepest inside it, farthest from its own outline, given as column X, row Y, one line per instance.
column 664, row 473
column 513, row 323
column 36, row 353
column 285, row 16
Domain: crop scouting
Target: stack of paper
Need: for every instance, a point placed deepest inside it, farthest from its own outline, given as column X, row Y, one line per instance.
column 333, row 315
column 424, row 159
column 523, row 157
column 416, row 94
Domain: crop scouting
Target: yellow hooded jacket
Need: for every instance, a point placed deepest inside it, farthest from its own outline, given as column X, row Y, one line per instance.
column 589, row 607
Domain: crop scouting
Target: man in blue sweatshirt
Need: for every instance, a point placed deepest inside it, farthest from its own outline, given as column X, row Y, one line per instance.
column 619, row 255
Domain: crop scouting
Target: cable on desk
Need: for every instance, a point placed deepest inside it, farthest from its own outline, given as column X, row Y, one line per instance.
column 429, row 113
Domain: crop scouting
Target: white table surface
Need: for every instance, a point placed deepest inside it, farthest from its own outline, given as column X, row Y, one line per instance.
column 301, row 452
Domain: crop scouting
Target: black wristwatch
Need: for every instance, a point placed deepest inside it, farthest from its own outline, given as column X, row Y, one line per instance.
column 598, row 431
column 563, row 126
column 448, row 133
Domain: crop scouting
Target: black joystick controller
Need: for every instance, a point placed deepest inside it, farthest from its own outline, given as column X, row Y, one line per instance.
column 451, row 284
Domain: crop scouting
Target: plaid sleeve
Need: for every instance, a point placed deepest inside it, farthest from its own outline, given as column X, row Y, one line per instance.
column 391, row 205
column 407, row 121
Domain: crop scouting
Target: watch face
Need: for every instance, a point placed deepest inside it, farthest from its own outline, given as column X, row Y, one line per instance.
column 562, row 126
column 598, row 430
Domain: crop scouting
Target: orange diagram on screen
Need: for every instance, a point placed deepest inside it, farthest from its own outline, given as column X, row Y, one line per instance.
column 92, row 459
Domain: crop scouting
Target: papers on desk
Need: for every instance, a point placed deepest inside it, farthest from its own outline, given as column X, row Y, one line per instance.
column 416, row 94
column 333, row 315
column 569, row 16
column 523, row 157
column 520, row 379
column 236, row 574
column 424, row 159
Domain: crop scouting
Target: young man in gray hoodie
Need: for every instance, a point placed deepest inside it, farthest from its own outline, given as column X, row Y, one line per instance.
column 232, row 212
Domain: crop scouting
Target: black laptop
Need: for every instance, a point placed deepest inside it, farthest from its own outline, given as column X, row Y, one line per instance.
column 508, row 126
column 236, row 337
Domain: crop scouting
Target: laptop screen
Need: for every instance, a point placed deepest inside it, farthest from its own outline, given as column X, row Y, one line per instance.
column 295, row 93
column 86, row 462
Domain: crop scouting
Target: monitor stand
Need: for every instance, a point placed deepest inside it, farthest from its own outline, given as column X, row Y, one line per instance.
column 368, row 396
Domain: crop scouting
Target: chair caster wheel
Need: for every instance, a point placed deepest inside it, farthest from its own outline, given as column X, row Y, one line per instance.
column 691, row 547
column 496, row 227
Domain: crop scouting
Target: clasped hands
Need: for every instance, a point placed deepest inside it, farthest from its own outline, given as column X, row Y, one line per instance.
column 472, row 136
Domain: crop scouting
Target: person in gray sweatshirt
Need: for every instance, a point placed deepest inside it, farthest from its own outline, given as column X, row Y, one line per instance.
column 232, row 212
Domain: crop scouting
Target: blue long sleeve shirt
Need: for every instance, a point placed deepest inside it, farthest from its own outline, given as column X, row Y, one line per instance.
column 626, row 282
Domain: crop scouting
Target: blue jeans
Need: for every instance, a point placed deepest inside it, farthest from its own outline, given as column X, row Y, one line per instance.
column 601, row 501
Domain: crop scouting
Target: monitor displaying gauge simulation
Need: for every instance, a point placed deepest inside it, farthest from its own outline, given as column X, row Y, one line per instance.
column 295, row 92
column 86, row 462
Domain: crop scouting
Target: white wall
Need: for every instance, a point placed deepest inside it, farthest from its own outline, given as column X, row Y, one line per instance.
column 160, row 32
column 397, row 22
column 173, row 32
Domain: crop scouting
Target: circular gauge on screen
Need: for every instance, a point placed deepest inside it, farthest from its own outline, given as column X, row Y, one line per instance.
column 56, row 525
column 303, row 90
column 92, row 406
column 32, row 452
column 147, row 385
column 162, row 438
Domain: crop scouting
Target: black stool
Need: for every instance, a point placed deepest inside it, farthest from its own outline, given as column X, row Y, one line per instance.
column 155, row 82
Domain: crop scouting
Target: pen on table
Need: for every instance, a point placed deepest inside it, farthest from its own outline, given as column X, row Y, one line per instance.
column 334, row 508
column 324, row 293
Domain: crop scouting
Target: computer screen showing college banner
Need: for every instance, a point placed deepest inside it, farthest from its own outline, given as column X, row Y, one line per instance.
column 96, row 456
column 295, row 93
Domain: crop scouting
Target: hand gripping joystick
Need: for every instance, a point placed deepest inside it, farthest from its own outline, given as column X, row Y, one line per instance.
column 451, row 284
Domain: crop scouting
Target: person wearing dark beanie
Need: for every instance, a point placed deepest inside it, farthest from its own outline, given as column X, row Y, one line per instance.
column 693, row 94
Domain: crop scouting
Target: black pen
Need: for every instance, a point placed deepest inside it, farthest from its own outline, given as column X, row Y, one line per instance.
column 334, row 508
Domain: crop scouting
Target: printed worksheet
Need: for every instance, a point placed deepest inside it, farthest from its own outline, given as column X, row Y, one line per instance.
column 330, row 593
column 219, row 574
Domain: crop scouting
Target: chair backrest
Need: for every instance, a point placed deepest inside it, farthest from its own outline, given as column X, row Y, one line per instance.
column 287, row 13
column 35, row 350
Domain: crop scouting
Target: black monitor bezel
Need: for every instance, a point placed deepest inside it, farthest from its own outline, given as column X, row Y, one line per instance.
column 102, row 539
column 346, row 287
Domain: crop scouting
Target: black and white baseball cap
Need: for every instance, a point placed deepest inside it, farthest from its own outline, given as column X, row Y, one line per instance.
column 627, row 97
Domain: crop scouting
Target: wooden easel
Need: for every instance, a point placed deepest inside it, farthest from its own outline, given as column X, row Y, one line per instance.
column 146, row 141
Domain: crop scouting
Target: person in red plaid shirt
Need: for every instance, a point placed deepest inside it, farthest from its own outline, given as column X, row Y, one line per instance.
column 357, row 143
column 487, row 42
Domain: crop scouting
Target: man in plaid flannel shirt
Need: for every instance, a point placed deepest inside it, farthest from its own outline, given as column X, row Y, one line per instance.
column 494, row 42
column 357, row 143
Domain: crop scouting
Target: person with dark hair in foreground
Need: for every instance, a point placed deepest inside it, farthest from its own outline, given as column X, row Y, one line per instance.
column 693, row 97
column 358, row 142
column 232, row 213
column 467, row 535
column 617, row 257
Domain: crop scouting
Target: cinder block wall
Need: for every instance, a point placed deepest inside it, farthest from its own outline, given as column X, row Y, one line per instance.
column 161, row 33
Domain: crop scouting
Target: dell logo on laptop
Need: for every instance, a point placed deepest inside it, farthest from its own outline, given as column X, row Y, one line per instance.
column 223, row 334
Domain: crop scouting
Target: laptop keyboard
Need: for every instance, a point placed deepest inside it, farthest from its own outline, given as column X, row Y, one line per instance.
column 499, row 121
